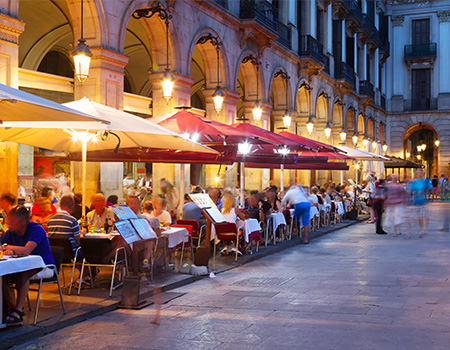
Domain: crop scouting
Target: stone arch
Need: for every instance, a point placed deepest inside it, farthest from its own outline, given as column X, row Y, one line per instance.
column 95, row 23
column 246, row 83
column 37, row 40
column 418, row 134
column 209, row 56
column 361, row 125
column 337, row 116
column 322, row 107
column 350, row 120
column 279, row 90
column 302, row 104
column 370, row 128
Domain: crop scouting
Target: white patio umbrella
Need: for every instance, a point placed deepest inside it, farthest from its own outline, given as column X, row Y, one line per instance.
column 123, row 129
column 362, row 155
column 21, row 106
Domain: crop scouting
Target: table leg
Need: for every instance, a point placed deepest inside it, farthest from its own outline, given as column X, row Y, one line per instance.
column 2, row 325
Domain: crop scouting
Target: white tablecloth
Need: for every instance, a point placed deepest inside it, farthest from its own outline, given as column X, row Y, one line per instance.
column 250, row 226
column 313, row 211
column 277, row 219
column 14, row 265
column 175, row 235
column 340, row 208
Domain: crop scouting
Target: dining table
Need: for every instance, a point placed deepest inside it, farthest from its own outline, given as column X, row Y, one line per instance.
column 12, row 264
column 175, row 235
column 277, row 220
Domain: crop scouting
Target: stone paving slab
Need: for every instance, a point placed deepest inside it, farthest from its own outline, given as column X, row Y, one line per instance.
column 94, row 302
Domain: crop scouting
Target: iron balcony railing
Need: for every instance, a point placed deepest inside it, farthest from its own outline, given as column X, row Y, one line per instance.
column 424, row 104
column 366, row 89
column 343, row 71
column 420, row 51
column 263, row 11
column 309, row 46
column 285, row 35
column 385, row 46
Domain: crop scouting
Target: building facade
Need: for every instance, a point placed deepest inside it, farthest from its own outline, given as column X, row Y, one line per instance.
column 335, row 62
column 418, row 80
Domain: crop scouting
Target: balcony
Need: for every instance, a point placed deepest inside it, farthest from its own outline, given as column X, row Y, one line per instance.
column 261, row 11
column 366, row 89
column 425, row 104
column 285, row 35
column 421, row 52
column 310, row 47
column 385, row 48
column 343, row 71
column 371, row 31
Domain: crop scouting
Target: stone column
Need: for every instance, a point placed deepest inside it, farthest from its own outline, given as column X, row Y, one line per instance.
column 10, row 29
column 181, row 96
column 344, row 53
column 312, row 18
column 329, row 29
column 105, row 86
column 444, row 53
column 364, row 62
column 397, row 63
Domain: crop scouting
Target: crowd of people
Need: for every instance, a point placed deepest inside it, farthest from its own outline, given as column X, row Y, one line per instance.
column 25, row 230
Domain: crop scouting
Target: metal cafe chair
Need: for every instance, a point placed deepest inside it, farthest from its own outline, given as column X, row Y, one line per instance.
column 68, row 258
column 227, row 232
column 197, row 232
column 187, row 241
column 95, row 251
column 57, row 253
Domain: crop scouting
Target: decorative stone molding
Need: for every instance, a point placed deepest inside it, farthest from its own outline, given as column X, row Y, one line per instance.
column 107, row 59
column 397, row 21
column 443, row 16
column 10, row 29
column 409, row 2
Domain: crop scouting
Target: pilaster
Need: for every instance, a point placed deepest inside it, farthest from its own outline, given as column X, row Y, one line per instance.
column 444, row 53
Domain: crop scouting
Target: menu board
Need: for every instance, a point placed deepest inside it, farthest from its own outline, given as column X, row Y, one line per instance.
column 203, row 200
column 205, row 203
column 127, row 231
column 123, row 212
column 143, row 229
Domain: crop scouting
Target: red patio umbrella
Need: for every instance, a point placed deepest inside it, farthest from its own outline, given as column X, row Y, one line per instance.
column 204, row 130
column 319, row 146
column 302, row 166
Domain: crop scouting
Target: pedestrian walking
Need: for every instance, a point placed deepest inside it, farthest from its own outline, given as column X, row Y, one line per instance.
column 419, row 187
column 395, row 206
column 378, row 204
column 369, row 192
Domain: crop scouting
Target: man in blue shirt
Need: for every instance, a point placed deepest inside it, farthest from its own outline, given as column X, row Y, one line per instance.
column 23, row 238
column 419, row 188
column 191, row 211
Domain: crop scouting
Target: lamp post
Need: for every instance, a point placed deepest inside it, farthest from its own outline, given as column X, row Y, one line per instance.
column 310, row 126
column 327, row 130
column 168, row 79
column 437, row 143
column 385, row 148
column 81, row 55
column 355, row 139
column 257, row 107
column 218, row 95
column 287, row 118
column 343, row 136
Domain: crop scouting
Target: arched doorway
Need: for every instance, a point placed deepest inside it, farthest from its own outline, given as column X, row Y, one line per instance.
column 419, row 145
column 279, row 98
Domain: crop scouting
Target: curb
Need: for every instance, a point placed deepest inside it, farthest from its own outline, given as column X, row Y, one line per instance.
column 58, row 323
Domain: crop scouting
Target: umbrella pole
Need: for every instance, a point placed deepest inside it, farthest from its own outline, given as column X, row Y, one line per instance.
column 83, row 176
column 282, row 178
column 242, row 184
column 181, row 188
column 342, row 177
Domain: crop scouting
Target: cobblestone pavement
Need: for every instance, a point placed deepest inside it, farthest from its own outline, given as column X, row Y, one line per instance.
column 351, row 289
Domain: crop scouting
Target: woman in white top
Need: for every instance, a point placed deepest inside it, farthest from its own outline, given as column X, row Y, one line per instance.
column 229, row 209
